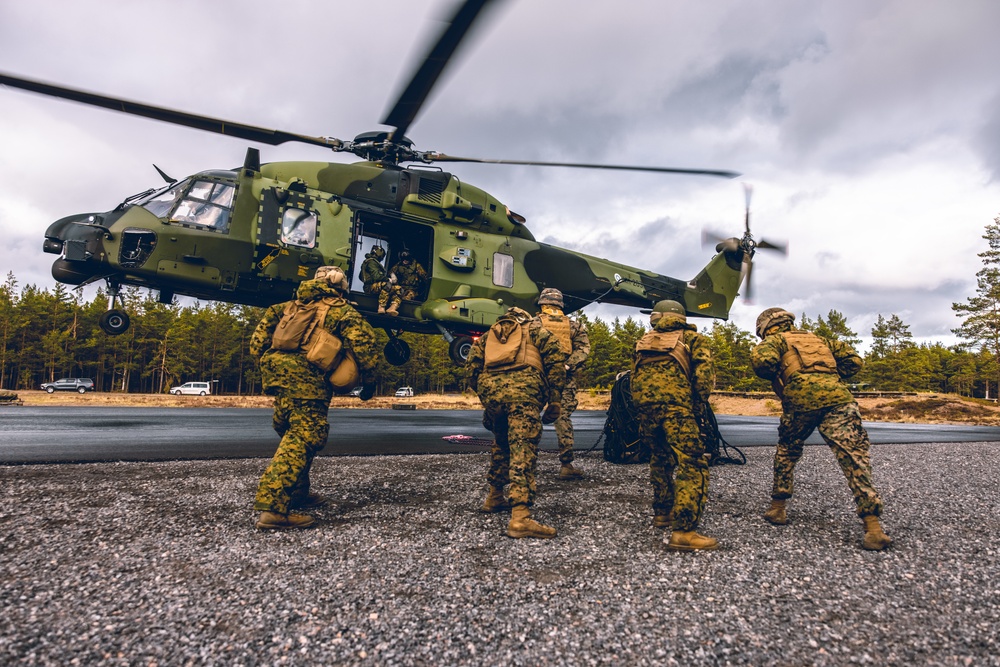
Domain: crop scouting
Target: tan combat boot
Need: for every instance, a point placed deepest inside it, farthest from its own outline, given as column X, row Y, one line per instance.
column 776, row 515
column 309, row 501
column 689, row 540
column 274, row 521
column 663, row 520
column 381, row 310
column 875, row 539
column 522, row 525
column 495, row 502
column 393, row 309
column 568, row 472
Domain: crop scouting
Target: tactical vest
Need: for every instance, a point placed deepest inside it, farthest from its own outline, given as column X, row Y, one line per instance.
column 512, row 351
column 301, row 329
column 559, row 326
column 658, row 346
column 807, row 353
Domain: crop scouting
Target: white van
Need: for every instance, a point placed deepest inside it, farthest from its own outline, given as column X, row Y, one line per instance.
column 192, row 388
column 404, row 392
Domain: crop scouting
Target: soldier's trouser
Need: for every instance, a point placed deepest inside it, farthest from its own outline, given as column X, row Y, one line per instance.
column 843, row 431
column 387, row 293
column 409, row 293
column 564, row 425
column 677, row 449
column 303, row 427
column 516, row 429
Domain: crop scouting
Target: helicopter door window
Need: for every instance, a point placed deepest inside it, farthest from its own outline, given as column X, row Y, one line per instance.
column 206, row 205
column 503, row 270
column 298, row 227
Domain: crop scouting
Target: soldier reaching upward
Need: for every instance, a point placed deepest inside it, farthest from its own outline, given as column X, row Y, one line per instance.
column 805, row 371
column 517, row 367
column 301, row 389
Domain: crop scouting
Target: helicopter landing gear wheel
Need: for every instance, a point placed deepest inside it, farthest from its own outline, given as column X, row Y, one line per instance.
column 459, row 349
column 114, row 322
column 397, row 352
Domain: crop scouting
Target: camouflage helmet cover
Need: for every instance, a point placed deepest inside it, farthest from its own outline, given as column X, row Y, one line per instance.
column 771, row 317
column 550, row 296
column 333, row 275
column 378, row 252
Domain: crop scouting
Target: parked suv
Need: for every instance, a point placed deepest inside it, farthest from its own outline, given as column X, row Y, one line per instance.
column 192, row 388
column 404, row 392
column 82, row 385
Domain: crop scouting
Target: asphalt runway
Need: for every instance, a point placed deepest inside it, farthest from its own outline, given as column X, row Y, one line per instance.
column 88, row 434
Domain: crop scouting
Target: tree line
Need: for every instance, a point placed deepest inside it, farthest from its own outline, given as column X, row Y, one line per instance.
column 46, row 334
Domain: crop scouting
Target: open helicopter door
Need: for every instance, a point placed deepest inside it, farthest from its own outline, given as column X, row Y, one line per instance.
column 395, row 237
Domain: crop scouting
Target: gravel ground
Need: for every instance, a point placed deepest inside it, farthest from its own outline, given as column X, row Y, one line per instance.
column 158, row 564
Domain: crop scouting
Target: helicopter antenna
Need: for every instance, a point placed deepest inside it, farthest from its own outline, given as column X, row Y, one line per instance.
column 168, row 179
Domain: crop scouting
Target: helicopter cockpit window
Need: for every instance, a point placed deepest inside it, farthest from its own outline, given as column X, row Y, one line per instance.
column 207, row 204
column 160, row 203
column 503, row 270
column 298, row 227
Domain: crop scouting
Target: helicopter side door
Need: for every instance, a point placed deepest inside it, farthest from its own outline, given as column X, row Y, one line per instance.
column 395, row 237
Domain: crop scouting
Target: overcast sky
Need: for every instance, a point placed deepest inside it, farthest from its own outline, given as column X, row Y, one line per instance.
column 869, row 129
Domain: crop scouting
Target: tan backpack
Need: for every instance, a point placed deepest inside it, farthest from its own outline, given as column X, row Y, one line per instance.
column 661, row 345
column 301, row 330
column 509, row 348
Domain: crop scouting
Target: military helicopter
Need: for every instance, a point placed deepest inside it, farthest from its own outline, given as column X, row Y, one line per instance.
column 251, row 234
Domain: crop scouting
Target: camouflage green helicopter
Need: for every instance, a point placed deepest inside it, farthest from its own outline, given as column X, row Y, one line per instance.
column 249, row 235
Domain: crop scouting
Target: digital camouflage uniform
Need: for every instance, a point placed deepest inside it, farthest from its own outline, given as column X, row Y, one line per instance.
column 411, row 278
column 512, row 403
column 302, row 394
column 578, row 351
column 376, row 281
column 813, row 400
column 664, row 399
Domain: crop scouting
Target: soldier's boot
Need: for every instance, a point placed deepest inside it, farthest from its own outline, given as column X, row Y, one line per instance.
column 875, row 539
column 495, row 502
column 689, row 540
column 381, row 309
column 522, row 525
column 393, row 308
column 568, row 472
column 776, row 516
column 274, row 521
column 663, row 520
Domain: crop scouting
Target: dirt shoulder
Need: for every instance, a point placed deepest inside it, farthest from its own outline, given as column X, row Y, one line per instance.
column 921, row 408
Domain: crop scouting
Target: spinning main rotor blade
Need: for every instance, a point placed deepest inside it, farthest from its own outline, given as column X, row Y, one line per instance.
column 415, row 94
column 248, row 132
column 441, row 157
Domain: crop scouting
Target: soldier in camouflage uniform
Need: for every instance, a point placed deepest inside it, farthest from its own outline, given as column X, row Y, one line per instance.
column 376, row 281
column 672, row 368
column 573, row 339
column 302, row 397
column 410, row 276
column 517, row 367
column 806, row 372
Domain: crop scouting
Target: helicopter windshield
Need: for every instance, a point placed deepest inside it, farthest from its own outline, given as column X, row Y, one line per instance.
column 160, row 202
column 207, row 204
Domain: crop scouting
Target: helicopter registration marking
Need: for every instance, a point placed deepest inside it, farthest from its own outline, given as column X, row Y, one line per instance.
column 703, row 306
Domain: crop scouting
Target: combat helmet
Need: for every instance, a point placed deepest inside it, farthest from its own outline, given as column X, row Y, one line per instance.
column 378, row 252
column 333, row 275
column 770, row 318
column 667, row 306
column 550, row 296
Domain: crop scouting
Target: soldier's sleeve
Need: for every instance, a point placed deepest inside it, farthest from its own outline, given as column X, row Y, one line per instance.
column 849, row 362
column 475, row 361
column 581, row 345
column 766, row 357
column 260, row 341
column 358, row 336
column 702, row 367
column 553, row 360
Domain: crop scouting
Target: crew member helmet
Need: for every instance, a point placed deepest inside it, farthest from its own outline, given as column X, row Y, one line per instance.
column 333, row 275
column 770, row 318
column 550, row 296
column 378, row 252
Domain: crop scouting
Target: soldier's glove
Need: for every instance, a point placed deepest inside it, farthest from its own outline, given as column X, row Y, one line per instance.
column 367, row 391
column 551, row 414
